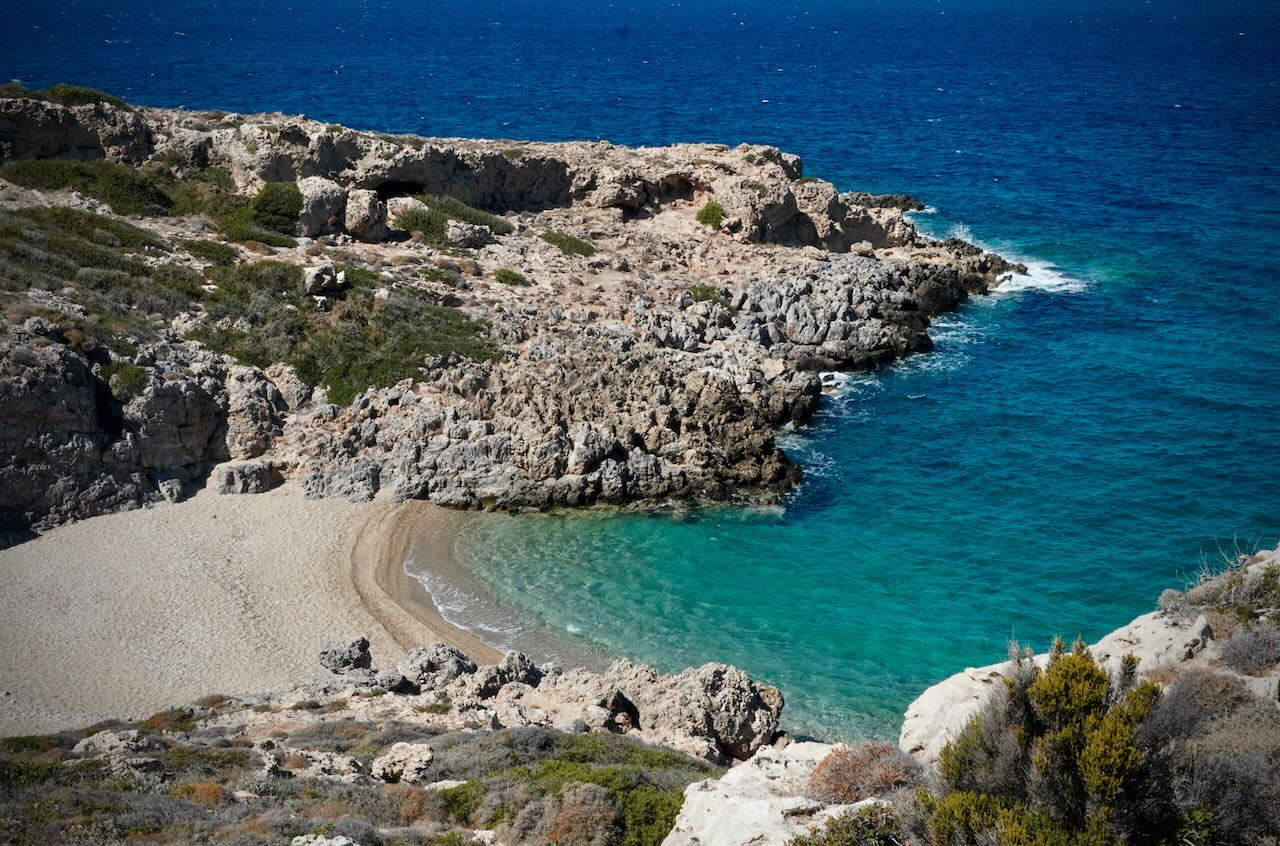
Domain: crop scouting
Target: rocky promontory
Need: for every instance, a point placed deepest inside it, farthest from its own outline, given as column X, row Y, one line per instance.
column 199, row 299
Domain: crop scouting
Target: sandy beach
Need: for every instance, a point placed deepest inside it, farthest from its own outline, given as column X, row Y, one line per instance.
column 130, row 613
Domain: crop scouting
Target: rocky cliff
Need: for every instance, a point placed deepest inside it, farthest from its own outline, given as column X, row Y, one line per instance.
column 652, row 315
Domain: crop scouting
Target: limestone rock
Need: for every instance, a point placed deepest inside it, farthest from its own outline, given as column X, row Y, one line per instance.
column 346, row 657
column 323, row 280
column 246, row 477
column 407, row 763
column 123, row 742
column 324, row 206
column 366, row 216
column 469, row 236
column 758, row 803
column 433, row 667
column 398, row 207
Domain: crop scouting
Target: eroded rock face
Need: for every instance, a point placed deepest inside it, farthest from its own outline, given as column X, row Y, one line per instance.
column 760, row 803
column 72, row 448
column 34, row 129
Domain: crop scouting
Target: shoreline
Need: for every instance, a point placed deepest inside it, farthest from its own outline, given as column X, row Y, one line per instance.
column 127, row 614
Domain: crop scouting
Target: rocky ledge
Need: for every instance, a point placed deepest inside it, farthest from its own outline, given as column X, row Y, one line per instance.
column 647, row 317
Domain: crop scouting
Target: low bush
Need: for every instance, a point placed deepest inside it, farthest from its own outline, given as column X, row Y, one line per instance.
column 509, row 277
column 862, row 772
column 711, row 214
column 222, row 255
column 276, row 207
column 433, row 221
column 174, row 719
column 704, row 293
column 205, row 793
column 568, row 244
column 1254, row 650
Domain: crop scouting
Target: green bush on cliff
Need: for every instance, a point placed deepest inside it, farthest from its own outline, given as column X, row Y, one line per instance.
column 126, row 189
column 67, row 95
column 1069, row 755
column 433, row 221
column 276, row 207
column 712, row 215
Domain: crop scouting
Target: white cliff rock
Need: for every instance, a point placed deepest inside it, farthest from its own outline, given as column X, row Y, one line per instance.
column 760, row 802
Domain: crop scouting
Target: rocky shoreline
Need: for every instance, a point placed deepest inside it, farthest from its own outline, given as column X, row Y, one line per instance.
column 638, row 349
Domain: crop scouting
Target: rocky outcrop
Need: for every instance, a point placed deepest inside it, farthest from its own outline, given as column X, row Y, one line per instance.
column 759, row 803
column 35, row 129
column 654, row 365
column 714, row 712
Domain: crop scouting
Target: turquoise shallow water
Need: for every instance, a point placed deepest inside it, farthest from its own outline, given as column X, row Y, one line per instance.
column 1070, row 449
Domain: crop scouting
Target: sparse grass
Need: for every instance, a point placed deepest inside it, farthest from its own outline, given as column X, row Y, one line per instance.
column 514, row 154
column 568, row 244
column 807, row 180
column 174, row 719
column 757, row 188
column 510, row 277
column 711, row 214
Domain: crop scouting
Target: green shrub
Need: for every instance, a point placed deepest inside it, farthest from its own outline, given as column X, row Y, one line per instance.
column 514, row 154
column 127, row 378
column 67, row 95
column 277, row 206
column 127, row 190
column 568, row 244
column 460, row 802
column 509, row 277
column 222, row 255
column 712, row 215
column 749, row 158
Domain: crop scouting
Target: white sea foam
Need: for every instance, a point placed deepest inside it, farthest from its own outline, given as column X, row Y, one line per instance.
column 467, row 611
column 1041, row 276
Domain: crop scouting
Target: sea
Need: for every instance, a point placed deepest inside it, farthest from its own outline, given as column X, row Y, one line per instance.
column 1101, row 428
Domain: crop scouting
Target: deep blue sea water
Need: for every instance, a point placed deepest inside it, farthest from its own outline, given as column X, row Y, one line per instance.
column 1070, row 449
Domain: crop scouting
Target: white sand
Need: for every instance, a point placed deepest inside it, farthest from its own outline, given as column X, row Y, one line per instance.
column 124, row 615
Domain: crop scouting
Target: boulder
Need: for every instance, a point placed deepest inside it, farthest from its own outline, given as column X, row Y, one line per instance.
column 366, row 216
column 405, row 763
column 343, row 658
column 246, row 477
column 324, row 205
column 323, row 280
column 430, row 668
column 398, row 207
column 469, row 236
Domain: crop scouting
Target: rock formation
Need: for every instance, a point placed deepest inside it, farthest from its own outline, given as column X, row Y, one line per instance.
column 653, row 365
